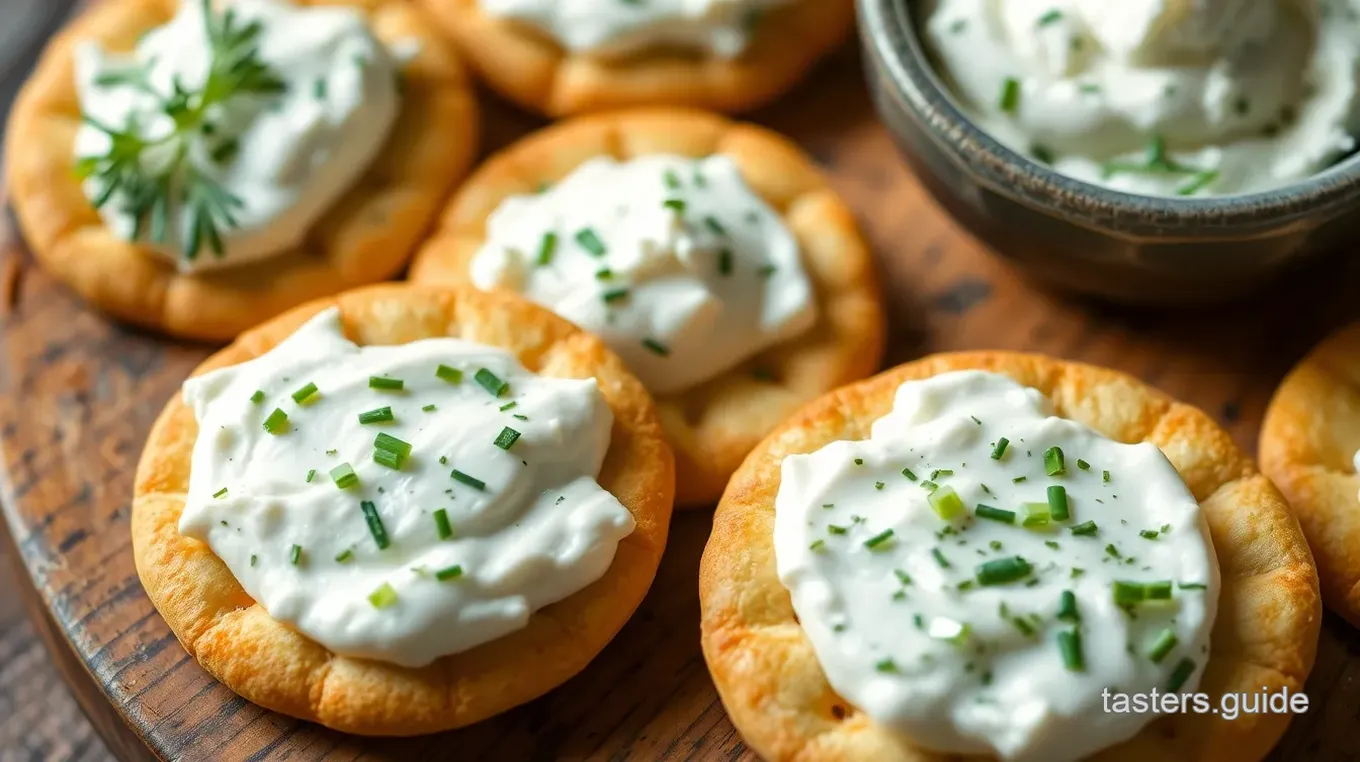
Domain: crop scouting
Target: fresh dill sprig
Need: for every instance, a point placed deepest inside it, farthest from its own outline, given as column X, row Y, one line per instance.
column 156, row 174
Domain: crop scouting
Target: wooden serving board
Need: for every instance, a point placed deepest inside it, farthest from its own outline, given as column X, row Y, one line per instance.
column 78, row 395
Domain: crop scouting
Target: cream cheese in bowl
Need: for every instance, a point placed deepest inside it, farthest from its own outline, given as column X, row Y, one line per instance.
column 1159, row 97
column 400, row 502
column 978, row 571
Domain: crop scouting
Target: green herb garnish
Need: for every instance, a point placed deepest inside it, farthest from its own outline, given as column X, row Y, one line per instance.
column 491, row 382
column 386, row 384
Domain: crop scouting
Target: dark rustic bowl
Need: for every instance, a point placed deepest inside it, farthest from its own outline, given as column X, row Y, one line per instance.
column 1080, row 236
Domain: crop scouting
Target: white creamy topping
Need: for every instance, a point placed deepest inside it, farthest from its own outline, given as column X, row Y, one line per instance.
column 915, row 618
column 673, row 261
column 722, row 28
column 513, row 474
column 283, row 153
column 1160, row 97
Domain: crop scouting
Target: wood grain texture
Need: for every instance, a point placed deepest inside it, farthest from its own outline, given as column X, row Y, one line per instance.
column 77, row 396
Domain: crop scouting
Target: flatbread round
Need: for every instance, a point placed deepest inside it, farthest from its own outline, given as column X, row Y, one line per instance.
column 366, row 236
column 711, row 426
column 529, row 68
column 1308, row 441
column 1269, row 613
column 266, row 662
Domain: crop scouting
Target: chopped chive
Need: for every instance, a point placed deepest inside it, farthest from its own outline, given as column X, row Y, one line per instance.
column 678, row 204
column 381, row 415
column 258, row 396
column 671, row 179
column 1051, row 17
column 766, row 270
column 511, row 405
column 1057, row 502
column 995, row 514
column 1000, row 448
column 1002, row 570
column 507, row 438
column 1198, row 183
column 939, row 558
column 614, row 295
column 1069, row 644
column 1162, row 645
column 429, row 408
column 375, row 525
column 1128, row 593
column 343, row 476
column 383, row 597
column 546, row 248
column 295, row 554
column 442, row 525
column 392, row 460
column 1184, row 669
column 385, row 441
column 1083, row 465
column 713, row 225
column 976, row 420
column 301, row 396
column 946, row 503
column 277, row 422
column 1010, row 95
column 833, row 529
column 220, row 493
column 1023, row 626
column 386, row 384
column 1112, row 551
column 491, row 382
column 445, row 373
column 1192, row 586
column 448, row 573
column 879, row 485
column 656, row 347
column 470, row 481
column 878, row 539
column 929, row 486
column 907, row 473
column 311, row 474
column 1053, row 462
column 517, row 416
column 604, row 273
column 591, row 242
column 1067, row 607
column 1158, row 591
column 725, row 262
column 902, row 576
column 1085, row 529
column 344, row 556
column 817, row 546
column 254, row 559
column 443, row 460
column 937, row 473
column 1148, row 534
column 1019, row 479
column 1036, row 516
column 886, row 665
column 1105, row 476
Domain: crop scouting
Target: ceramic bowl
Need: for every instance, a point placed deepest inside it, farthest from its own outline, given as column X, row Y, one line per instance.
column 1083, row 237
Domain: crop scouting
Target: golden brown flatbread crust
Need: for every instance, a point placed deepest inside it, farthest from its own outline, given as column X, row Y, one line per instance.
column 366, row 236
column 711, row 426
column 267, row 663
column 1268, row 618
column 529, row 68
column 1308, row 440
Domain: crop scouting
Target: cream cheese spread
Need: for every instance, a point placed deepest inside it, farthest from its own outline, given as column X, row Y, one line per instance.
column 675, row 262
column 610, row 28
column 1159, row 97
column 400, row 502
column 261, row 150
column 975, row 573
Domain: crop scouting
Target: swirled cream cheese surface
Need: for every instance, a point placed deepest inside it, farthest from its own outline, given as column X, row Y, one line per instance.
column 722, row 28
column 400, row 502
column 673, row 261
column 245, row 126
column 977, row 571
column 1160, row 97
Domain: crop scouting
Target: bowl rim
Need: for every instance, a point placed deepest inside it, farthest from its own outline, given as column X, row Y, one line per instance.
column 889, row 34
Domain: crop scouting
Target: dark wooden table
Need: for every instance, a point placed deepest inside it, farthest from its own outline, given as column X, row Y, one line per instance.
column 78, row 394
